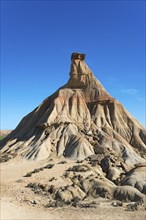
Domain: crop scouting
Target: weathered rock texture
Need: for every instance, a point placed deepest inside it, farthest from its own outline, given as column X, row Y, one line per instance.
column 82, row 120
column 78, row 120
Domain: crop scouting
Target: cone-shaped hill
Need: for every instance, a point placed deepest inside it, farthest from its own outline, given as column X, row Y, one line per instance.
column 79, row 120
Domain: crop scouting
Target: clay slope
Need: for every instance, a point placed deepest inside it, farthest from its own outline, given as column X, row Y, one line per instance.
column 79, row 120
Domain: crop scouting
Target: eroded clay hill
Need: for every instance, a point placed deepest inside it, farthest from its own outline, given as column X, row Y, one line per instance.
column 78, row 120
column 83, row 123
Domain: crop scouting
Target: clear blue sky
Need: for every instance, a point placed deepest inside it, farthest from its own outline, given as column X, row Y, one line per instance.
column 38, row 37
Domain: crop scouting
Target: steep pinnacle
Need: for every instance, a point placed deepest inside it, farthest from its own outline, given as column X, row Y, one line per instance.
column 79, row 71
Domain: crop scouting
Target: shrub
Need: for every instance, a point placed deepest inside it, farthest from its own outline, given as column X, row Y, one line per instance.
column 62, row 162
column 34, row 171
column 66, row 174
column 78, row 168
column 49, row 166
column 51, row 189
column 33, row 186
column 4, row 158
column 28, row 174
column 59, row 203
column 37, row 170
column 133, row 207
column 75, row 201
column 50, row 204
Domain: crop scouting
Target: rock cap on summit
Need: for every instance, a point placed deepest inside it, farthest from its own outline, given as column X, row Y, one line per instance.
column 79, row 56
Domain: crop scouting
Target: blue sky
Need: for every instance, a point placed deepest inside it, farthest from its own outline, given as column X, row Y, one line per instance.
column 38, row 37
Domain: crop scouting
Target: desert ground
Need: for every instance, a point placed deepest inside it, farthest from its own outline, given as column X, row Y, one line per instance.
column 20, row 202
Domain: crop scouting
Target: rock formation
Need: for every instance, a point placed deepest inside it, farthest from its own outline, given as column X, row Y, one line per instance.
column 81, row 121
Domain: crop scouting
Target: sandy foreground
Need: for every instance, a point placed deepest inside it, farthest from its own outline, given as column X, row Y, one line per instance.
column 17, row 201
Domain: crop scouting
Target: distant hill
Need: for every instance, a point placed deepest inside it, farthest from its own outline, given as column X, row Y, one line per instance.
column 4, row 132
